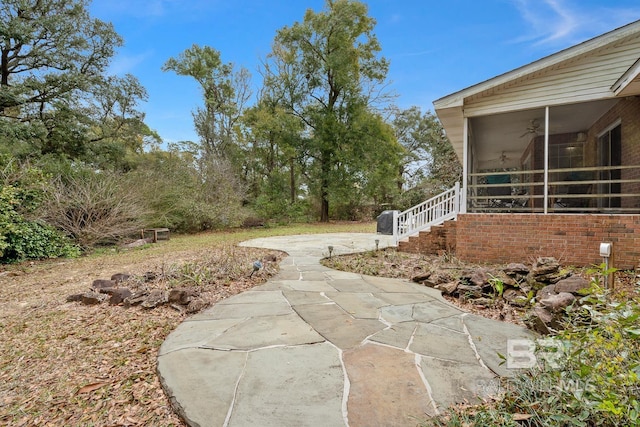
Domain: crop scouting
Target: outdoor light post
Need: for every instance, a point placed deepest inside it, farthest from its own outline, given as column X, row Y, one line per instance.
column 330, row 250
column 606, row 254
column 377, row 243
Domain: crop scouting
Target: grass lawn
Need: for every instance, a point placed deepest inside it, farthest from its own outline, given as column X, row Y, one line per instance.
column 63, row 363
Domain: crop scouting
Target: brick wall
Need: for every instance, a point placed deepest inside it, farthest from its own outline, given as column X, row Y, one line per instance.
column 439, row 240
column 503, row 238
column 572, row 239
column 627, row 110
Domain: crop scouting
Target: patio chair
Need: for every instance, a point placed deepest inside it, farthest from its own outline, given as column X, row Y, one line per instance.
column 501, row 196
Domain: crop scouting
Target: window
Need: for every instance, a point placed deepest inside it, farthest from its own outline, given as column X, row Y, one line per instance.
column 610, row 156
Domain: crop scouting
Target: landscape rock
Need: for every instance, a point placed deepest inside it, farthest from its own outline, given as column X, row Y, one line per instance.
column 572, row 284
column 484, row 301
column 119, row 295
column 448, row 288
column 558, row 302
column 546, row 292
column 102, row 283
column 439, row 277
column 471, row 291
column 93, row 298
column 155, row 298
column 516, row 269
column 478, row 277
column 541, row 319
column 136, row 298
column 74, row 298
column 560, row 275
column 423, row 277
column 512, row 296
column 139, row 242
column 544, row 266
column 196, row 306
column 181, row 296
column 544, row 271
column 120, row 277
column 270, row 258
column 508, row 280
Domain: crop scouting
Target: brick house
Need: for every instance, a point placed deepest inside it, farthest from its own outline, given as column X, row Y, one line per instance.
column 551, row 160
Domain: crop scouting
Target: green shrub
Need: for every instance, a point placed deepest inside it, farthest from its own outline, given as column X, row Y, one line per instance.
column 21, row 237
column 594, row 382
column 178, row 195
column 23, row 240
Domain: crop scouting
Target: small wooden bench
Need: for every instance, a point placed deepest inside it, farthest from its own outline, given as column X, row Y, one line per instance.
column 157, row 232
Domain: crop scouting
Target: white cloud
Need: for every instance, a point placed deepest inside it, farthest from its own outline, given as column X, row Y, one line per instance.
column 548, row 20
column 123, row 64
column 565, row 22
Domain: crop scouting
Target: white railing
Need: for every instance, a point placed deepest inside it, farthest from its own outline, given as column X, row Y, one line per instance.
column 434, row 211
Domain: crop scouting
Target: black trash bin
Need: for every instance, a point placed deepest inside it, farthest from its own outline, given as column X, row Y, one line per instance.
column 385, row 223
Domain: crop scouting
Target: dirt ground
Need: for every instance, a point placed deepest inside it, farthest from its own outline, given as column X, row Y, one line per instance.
column 64, row 363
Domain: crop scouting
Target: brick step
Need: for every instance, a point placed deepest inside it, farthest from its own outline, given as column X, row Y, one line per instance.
column 436, row 240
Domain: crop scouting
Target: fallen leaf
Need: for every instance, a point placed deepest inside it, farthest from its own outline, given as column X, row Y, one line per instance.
column 91, row 387
column 521, row 417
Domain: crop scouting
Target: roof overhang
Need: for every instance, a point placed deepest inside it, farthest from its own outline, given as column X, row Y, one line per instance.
column 629, row 83
column 451, row 108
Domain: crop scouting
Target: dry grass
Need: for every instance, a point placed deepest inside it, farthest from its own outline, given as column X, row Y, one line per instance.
column 64, row 363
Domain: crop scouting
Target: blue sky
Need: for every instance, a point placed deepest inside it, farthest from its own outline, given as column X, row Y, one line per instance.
column 435, row 47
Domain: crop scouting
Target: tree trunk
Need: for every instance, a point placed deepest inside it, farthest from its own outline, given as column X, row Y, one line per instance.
column 325, row 168
column 400, row 181
column 292, row 180
column 4, row 75
column 324, row 207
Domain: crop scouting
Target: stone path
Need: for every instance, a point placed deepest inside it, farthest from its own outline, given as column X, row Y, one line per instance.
column 320, row 347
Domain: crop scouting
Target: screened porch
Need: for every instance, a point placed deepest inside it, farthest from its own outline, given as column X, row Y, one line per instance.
column 579, row 158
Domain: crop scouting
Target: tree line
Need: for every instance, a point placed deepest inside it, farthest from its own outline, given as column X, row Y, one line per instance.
column 321, row 139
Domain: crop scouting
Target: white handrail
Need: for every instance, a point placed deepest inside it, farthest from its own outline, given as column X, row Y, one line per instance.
column 434, row 211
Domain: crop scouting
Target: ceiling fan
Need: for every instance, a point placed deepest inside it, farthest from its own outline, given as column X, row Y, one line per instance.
column 502, row 159
column 532, row 129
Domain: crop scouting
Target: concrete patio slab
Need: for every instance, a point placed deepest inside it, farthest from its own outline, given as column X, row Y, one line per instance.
column 337, row 326
column 398, row 335
column 231, row 311
column 453, row 382
column 272, row 393
column 305, row 297
column 386, row 388
column 358, row 305
column 397, row 313
column 261, row 332
column 196, row 333
column 353, row 285
column 318, row 347
column 308, row 285
column 434, row 341
column 491, row 342
column 434, row 310
column 201, row 393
